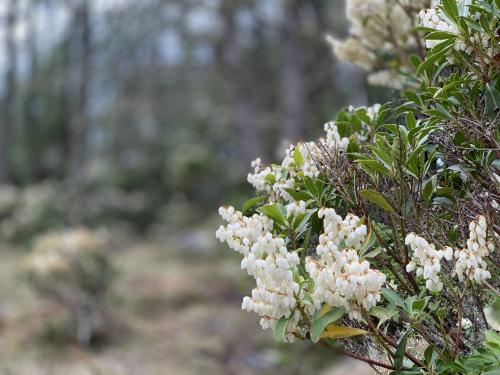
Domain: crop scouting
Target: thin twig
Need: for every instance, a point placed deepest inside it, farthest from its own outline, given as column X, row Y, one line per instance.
column 369, row 361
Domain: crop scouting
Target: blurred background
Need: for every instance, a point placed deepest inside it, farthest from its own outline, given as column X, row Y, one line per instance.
column 124, row 126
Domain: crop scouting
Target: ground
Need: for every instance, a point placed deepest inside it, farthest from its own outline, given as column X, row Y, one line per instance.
column 174, row 312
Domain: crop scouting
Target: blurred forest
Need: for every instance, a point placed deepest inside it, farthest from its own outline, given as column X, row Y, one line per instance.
column 167, row 98
column 144, row 116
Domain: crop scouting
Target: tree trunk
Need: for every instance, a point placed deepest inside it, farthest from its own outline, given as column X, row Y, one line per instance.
column 292, row 90
column 31, row 127
column 9, row 92
column 249, row 142
column 80, row 122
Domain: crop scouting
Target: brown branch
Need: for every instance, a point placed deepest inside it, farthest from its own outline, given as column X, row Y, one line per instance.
column 369, row 361
column 393, row 343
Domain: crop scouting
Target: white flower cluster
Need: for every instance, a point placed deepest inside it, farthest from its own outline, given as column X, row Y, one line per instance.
column 435, row 19
column 338, row 232
column 427, row 260
column 372, row 21
column 386, row 78
column 340, row 277
column 307, row 151
column 296, row 208
column 354, row 51
column 275, row 179
column 333, row 139
column 432, row 19
column 242, row 232
column 267, row 259
column 470, row 261
column 378, row 28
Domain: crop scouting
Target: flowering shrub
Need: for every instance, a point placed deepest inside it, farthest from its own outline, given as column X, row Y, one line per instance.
column 29, row 211
column 72, row 268
column 385, row 34
column 384, row 233
column 8, row 199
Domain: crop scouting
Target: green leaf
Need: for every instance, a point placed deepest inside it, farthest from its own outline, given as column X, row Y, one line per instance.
column 411, row 122
column 280, row 329
column 320, row 323
column 428, row 188
column 311, row 186
column 368, row 243
column 493, row 369
column 372, row 254
column 298, row 195
column 415, row 61
column 374, row 165
column 377, row 198
column 430, row 356
column 272, row 211
column 270, row 178
column 400, row 351
column 383, row 314
column 419, row 304
column 252, row 202
column 297, row 157
column 425, row 29
column 342, row 332
column 391, row 296
column 431, row 59
column 300, row 222
column 450, row 8
column 440, row 35
column 492, row 338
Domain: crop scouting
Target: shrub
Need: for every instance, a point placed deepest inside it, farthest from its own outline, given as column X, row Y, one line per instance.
column 31, row 210
column 72, row 268
column 8, row 200
column 384, row 233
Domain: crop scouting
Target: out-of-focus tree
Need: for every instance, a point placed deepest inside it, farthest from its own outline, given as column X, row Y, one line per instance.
column 170, row 98
column 292, row 77
column 9, row 93
column 240, row 81
column 80, row 122
column 30, row 98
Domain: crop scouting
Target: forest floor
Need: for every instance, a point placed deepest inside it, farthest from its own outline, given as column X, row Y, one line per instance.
column 174, row 312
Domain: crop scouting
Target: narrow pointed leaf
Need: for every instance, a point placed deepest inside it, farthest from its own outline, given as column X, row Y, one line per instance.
column 320, row 323
column 341, row 332
column 377, row 198
column 280, row 329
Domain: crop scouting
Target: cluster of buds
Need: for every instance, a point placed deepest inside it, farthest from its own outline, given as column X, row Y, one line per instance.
column 341, row 277
column 470, row 261
column 427, row 260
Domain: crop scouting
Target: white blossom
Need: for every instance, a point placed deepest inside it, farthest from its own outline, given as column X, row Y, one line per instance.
column 341, row 277
column 378, row 28
column 266, row 258
column 353, row 51
column 386, row 78
column 275, row 179
column 470, row 261
column 296, row 208
column 426, row 260
column 434, row 19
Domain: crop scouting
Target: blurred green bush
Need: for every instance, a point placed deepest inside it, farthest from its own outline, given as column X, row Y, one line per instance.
column 72, row 268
